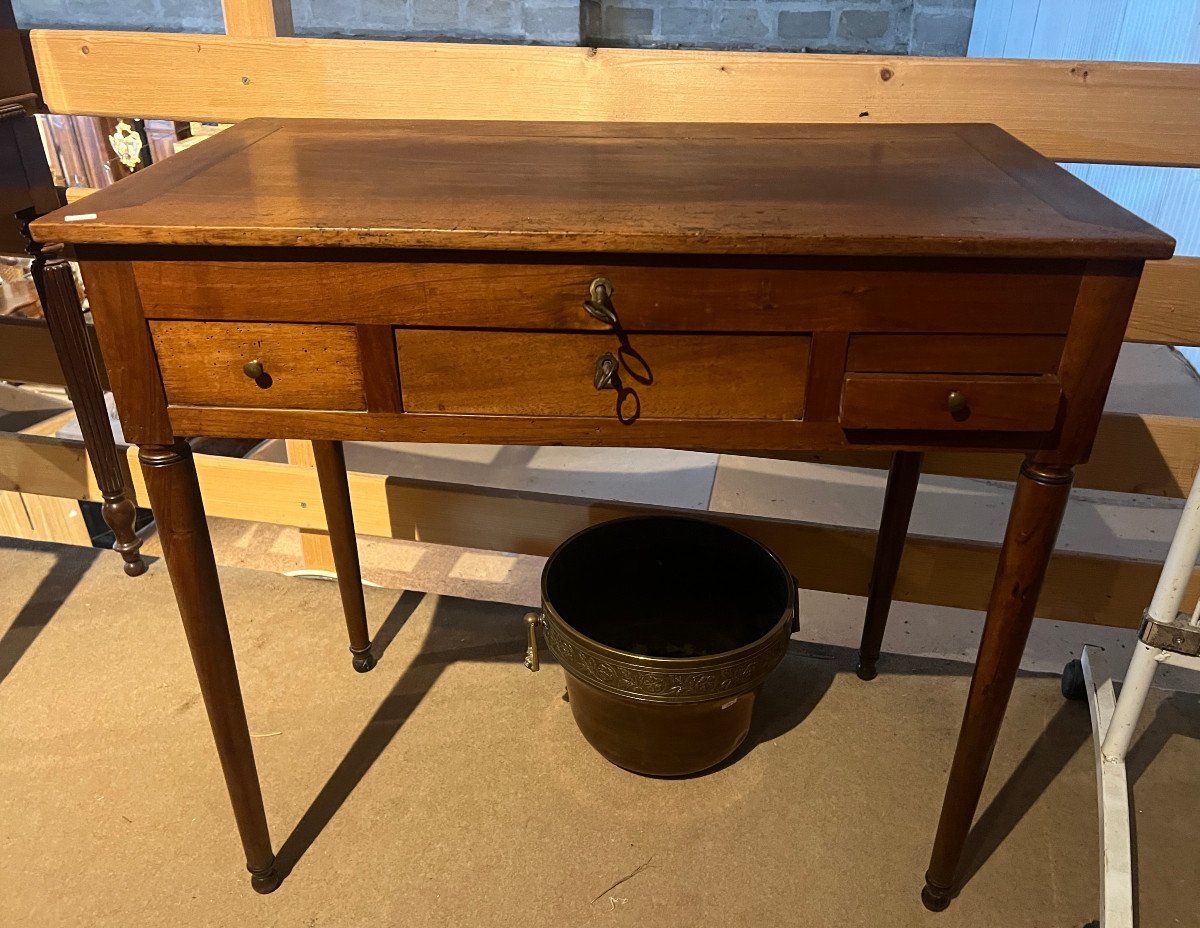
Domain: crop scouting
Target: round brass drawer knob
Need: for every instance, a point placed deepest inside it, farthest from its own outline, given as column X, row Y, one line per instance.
column 957, row 403
column 253, row 369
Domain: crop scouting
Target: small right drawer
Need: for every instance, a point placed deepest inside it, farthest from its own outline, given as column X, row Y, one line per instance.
column 972, row 402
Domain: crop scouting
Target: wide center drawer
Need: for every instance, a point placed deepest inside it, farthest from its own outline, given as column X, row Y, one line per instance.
column 659, row 376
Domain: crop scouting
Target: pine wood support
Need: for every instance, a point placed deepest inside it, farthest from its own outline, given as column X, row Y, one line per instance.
column 1079, row 587
column 316, row 552
column 1070, row 111
column 1167, row 308
column 258, row 17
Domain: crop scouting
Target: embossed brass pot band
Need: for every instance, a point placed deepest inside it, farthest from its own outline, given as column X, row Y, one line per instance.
column 666, row 628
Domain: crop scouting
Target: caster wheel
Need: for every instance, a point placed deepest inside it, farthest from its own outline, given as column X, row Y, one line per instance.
column 1074, row 687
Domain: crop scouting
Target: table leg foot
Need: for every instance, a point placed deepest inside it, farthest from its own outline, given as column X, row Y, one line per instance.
column 866, row 669
column 935, row 898
column 265, row 881
column 119, row 514
column 335, row 494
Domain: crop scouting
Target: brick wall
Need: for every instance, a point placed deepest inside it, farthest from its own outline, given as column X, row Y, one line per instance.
column 919, row 27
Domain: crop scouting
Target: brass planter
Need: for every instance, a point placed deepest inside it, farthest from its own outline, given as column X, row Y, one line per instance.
column 666, row 629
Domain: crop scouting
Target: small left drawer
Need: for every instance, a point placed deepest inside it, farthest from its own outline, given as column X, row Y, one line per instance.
column 259, row 365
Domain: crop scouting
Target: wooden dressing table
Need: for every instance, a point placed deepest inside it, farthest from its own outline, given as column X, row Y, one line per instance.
column 735, row 287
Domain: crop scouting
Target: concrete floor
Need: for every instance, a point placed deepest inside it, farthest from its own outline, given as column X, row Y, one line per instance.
column 450, row 786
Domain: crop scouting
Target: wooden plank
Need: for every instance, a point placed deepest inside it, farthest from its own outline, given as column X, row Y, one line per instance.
column 1153, row 455
column 57, row 519
column 14, row 519
column 1079, row 588
column 46, row 466
column 1070, row 111
column 1167, row 308
column 27, row 353
column 258, row 17
column 316, row 550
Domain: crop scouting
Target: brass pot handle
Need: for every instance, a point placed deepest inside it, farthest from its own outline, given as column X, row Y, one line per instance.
column 532, row 659
column 606, row 372
column 958, row 405
column 253, row 369
column 599, row 302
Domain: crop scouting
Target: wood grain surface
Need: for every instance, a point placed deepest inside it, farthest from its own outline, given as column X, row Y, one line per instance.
column 552, row 374
column 517, row 291
column 919, row 401
column 306, row 366
column 1109, row 111
column 909, row 191
column 955, row 354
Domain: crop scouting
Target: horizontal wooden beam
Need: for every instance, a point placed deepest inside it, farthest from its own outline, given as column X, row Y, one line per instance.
column 1152, row 455
column 46, row 466
column 27, row 353
column 1167, row 308
column 944, row 572
column 75, row 194
column 1079, row 588
column 1117, row 112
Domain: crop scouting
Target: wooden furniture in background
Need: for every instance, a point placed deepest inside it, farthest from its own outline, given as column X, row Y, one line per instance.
column 27, row 191
column 805, row 240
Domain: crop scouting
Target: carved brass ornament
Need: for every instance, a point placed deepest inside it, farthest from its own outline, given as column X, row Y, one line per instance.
column 127, row 144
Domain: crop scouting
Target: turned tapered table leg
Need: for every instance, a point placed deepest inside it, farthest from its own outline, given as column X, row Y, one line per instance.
column 1033, row 524
column 56, row 287
column 898, row 499
column 335, row 495
column 179, row 512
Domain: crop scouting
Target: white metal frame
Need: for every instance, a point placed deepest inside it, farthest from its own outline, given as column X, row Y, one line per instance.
column 1114, row 720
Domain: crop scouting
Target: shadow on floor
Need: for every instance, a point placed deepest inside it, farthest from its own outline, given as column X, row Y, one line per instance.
column 1064, row 734
column 455, row 635
column 466, row 630
column 1068, row 730
column 70, row 564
